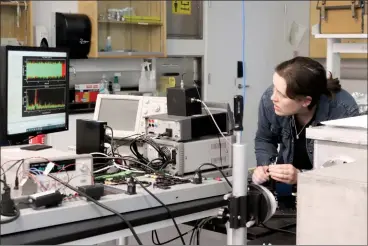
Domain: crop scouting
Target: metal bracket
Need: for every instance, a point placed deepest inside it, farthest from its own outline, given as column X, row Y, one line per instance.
column 237, row 212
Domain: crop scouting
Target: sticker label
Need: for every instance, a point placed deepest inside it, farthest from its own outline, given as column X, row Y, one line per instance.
column 182, row 7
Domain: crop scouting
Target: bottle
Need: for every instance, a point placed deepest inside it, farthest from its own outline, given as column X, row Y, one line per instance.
column 143, row 81
column 104, row 85
column 108, row 44
column 116, row 85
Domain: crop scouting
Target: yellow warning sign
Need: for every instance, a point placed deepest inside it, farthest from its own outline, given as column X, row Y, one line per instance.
column 166, row 82
column 182, row 7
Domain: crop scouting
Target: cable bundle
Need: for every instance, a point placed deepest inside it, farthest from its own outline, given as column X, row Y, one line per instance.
column 159, row 163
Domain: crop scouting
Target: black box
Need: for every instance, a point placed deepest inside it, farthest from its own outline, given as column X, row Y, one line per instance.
column 179, row 101
column 90, row 136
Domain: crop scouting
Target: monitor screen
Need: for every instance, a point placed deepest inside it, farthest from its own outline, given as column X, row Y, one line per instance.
column 37, row 91
column 120, row 114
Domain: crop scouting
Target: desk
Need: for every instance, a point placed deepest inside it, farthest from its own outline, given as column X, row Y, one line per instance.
column 111, row 227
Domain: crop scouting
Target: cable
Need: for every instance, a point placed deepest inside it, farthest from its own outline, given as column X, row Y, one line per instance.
column 127, row 158
column 218, row 136
column 17, row 211
column 154, row 236
column 168, row 210
column 219, row 169
column 112, row 140
column 99, row 204
column 200, row 227
column 277, row 230
column 213, row 119
column 4, row 182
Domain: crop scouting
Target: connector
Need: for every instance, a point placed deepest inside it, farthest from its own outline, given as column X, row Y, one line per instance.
column 7, row 204
column 192, row 100
column 95, row 191
column 16, row 183
column 197, row 179
column 132, row 187
column 46, row 199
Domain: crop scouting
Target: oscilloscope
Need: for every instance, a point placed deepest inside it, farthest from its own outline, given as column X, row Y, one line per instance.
column 34, row 91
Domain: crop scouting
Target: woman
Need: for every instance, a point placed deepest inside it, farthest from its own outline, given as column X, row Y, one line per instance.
column 301, row 96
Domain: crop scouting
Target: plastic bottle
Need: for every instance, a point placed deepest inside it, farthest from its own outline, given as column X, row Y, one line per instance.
column 104, row 85
column 108, row 44
column 116, row 85
column 143, row 84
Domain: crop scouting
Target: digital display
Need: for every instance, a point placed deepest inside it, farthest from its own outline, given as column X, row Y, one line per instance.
column 37, row 91
column 60, row 166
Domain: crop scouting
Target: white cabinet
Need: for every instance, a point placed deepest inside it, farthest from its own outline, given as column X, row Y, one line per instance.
column 223, row 46
column 61, row 140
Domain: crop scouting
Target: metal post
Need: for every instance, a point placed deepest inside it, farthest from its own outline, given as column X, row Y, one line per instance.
column 237, row 230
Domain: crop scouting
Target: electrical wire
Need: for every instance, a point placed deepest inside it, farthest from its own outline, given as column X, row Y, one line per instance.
column 218, row 136
column 112, row 139
column 219, row 169
column 163, row 204
column 3, row 173
column 154, row 235
column 17, row 211
column 4, row 182
column 213, row 119
column 81, row 193
column 17, row 214
column 200, row 226
column 128, row 158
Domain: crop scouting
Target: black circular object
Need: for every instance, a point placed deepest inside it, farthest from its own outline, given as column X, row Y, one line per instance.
column 266, row 204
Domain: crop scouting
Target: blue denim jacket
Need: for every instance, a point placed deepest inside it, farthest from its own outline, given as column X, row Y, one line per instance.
column 274, row 129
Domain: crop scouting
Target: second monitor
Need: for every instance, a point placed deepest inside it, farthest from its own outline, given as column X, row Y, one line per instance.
column 125, row 114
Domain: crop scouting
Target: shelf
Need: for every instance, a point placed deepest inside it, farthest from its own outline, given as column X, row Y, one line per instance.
column 122, row 54
column 132, row 22
column 16, row 23
column 342, row 36
column 131, row 29
column 22, row 4
column 350, row 48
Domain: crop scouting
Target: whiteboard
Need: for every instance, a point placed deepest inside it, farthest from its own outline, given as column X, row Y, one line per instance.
column 351, row 122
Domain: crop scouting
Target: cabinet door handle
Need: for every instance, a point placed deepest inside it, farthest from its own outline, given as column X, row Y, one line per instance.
column 209, row 78
column 209, row 3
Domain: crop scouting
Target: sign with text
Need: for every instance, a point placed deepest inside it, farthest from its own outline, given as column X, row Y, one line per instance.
column 182, row 7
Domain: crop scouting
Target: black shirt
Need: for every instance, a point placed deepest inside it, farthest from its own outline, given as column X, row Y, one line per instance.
column 301, row 159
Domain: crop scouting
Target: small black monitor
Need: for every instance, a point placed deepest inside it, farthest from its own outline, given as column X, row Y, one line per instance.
column 34, row 89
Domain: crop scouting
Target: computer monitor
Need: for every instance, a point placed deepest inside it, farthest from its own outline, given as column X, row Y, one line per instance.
column 34, row 91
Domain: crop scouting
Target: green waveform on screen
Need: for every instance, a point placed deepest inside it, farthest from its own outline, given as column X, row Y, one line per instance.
column 30, row 107
column 45, row 70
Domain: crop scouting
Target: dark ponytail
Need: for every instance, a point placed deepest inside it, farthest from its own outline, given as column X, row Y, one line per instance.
column 333, row 84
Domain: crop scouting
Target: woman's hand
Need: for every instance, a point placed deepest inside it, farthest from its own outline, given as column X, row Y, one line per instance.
column 260, row 175
column 285, row 173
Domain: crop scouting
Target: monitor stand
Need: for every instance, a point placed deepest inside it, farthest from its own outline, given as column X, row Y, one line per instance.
column 36, row 147
column 30, row 147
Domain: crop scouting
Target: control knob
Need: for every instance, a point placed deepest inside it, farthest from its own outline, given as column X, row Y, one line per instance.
column 157, row 108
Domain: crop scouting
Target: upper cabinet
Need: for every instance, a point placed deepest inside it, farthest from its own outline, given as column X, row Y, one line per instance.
column 126, row 28
column 318, row 47
column 16, row 23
